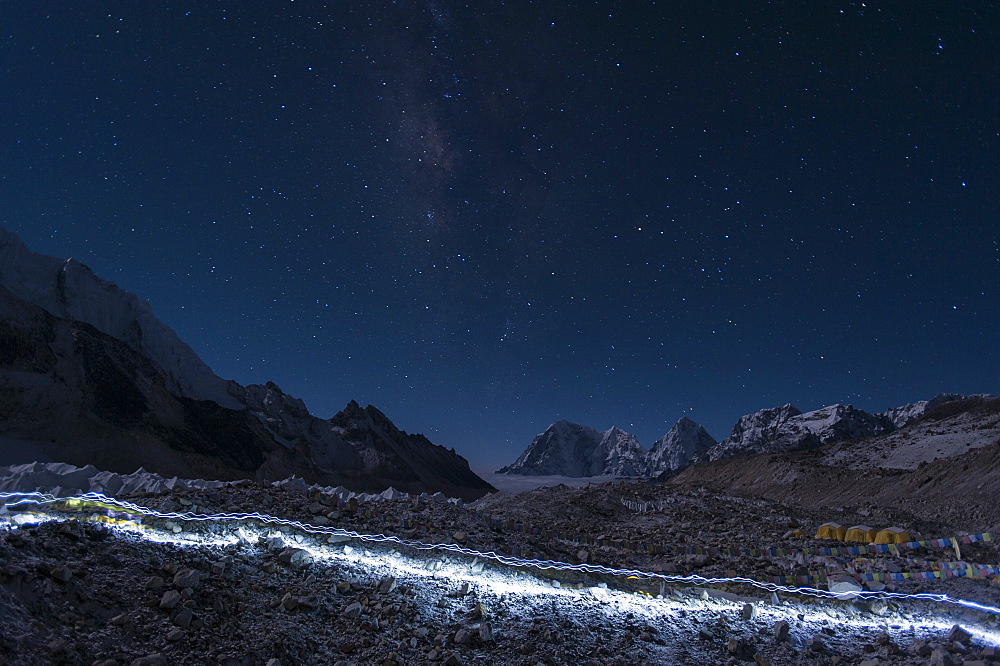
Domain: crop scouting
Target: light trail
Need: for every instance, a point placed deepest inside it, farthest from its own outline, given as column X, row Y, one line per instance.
column 98, row 499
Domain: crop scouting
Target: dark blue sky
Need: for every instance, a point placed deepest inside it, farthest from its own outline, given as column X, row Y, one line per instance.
column 483, row 218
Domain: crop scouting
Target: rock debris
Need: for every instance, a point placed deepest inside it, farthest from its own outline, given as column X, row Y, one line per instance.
column 80, row 592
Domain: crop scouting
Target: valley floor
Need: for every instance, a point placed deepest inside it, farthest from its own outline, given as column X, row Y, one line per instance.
column 75, row 591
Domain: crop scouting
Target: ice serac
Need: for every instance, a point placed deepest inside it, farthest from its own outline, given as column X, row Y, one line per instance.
column 89, row 376
column 68, row 289
column 570, row 449
column 685, row 441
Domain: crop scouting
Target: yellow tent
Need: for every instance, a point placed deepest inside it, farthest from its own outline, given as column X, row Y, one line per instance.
column 893, row 535
column 860, row 534
column 831, row 531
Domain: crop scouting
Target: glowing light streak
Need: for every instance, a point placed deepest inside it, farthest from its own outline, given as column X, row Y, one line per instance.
column 540, row 565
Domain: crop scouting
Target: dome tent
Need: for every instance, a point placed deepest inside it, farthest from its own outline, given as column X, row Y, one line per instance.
column 831, row 531
column 892, row 535
column 860, row 534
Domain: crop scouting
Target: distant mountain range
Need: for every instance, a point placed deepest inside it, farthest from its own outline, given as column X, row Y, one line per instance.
column 569, row 449
column 89, row 376
column 942, row 459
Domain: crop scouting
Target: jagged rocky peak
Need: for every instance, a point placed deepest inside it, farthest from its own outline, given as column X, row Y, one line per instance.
column 837, row 422
column 354, row 416
column 618, row 453
column 764, row 424
column 571, row 449
column 94, row 377
column 412, row 458
column 286, row 418
column 352, row 411
column 672, row 452
column 900, row 416
column 754, row 431
column 269, row 399
column 563, row 448
column 786, row 429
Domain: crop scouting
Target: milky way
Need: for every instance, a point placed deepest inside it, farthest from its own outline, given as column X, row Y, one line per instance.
column 486, row 218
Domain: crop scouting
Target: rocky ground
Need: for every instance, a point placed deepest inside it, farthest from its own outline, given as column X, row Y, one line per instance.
column 185, row 592
column 944, row 468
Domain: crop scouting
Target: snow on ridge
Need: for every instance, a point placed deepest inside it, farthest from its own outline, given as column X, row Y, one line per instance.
column 819, row 419
column 905, row 414
column 620, row 453
column 69, row 289
column 573, row 450
column 685, row 440
column 919, row 443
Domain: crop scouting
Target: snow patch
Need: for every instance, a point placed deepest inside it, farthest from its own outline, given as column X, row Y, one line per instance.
column 62, row 479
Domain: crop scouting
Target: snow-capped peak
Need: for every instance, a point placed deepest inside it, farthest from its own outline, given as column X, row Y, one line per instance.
column 685, row 440
column 619, row 453
column 68, row 289
column 900, row 416
column 571, row 449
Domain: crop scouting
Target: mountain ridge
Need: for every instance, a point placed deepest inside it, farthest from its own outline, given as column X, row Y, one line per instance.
column 69, row 289
column 948, row 456
column 569, row 449
column 89, row 376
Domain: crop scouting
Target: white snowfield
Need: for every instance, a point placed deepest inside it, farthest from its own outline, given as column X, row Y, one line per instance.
column 921, row 442
column 63, row 479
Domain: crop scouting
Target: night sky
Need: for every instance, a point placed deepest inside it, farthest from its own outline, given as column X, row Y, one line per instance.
column 485, row 217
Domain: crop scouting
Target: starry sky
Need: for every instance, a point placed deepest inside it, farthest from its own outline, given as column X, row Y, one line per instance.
column 484, row 217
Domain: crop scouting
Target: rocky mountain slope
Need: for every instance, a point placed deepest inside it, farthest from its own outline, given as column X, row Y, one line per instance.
column 675, row 450
column 89, row 376
column 621, row 453
column 787, row 429
column 569, row 449
column 900, row 416
column 948, row 457
column 69, row 290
